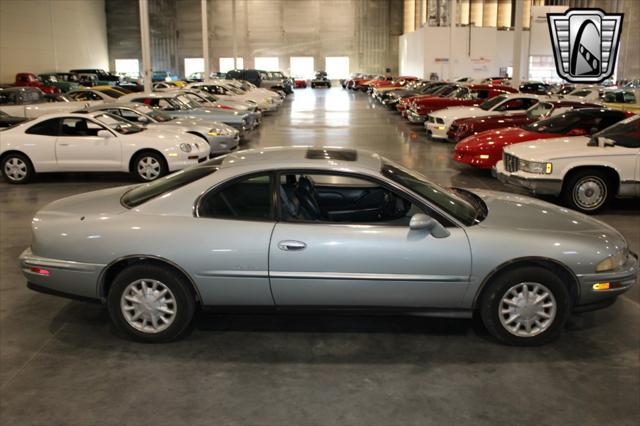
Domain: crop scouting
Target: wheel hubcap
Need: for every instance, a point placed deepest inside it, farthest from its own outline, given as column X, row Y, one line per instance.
column 527, row 309
column 590, row 193
column 148, row 168
column 15, row 169
column 148, row 306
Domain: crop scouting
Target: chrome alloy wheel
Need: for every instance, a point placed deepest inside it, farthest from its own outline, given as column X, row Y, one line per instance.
column 590, row 192
column 15, row 169
column 527, row 309
column 148, row 306
column 148, row 168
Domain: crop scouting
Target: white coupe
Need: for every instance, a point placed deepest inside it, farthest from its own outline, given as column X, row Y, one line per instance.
column 95, row 142
column 439, row 122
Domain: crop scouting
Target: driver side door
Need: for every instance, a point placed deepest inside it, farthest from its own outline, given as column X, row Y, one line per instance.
column 356, row 260
column 79, row 148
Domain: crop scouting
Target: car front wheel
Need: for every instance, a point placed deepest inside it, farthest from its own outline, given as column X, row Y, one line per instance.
column 587, row 191
column 17, row 168
column 527, row 306
column 149, row 166
column 150, row 303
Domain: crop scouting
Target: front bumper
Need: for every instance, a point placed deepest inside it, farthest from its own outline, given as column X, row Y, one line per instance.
column 537, row 184
column 65, row 277
column 224, row 144
column 436, row 130
column 622, row 279
column 474, row 159
column 414, row 117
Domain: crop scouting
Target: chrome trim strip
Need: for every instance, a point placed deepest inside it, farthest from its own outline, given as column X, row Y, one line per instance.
column 231, row 273
column 368, row 277
column 27, row 260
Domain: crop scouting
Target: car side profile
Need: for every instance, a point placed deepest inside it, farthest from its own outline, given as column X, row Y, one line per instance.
column 585, row 172
column 94, row 142
column 324, row 228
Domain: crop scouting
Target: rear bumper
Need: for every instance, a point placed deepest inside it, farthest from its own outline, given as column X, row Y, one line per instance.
column 75, row 279
column 537, row 185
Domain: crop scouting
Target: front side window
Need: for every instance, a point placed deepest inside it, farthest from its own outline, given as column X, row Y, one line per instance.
column 78, row 127
column 488, row 105
column 124, row 127
column 462, row 205
column 247, row 198
column 45, row 128
column 540, row 110
column 517, row 104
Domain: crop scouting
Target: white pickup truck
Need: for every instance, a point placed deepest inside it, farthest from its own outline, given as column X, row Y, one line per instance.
column 585, row 172
column 30, row 102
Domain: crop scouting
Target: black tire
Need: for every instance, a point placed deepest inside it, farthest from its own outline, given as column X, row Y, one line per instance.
column 587, row 191
column 313, row 86
column 17, row 168
column 183, row 297
column 491, row 306
column 156, row 163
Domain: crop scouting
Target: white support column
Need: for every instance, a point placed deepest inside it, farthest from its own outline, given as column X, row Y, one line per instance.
column 205, row 39
column 517, row 46
column 234, row 24
column 452, row 32
column 145, row 42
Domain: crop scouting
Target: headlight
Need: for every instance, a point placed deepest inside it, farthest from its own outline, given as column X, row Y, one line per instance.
column 535, row 167
column 185, row 147
column 613, row 262
column 214, row 132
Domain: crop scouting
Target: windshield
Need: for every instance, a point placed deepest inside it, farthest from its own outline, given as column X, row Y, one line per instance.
column 539, row 110
column 625, row 133
column 445, row 199
column 120, row 125
column 143, row 193
column 558, row 124
column 488, row 105
column 156, row 114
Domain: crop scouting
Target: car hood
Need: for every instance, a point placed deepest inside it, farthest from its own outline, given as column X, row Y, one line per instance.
column 453, row 113
column 492, row 139
column 521, row 214
column 557, row 148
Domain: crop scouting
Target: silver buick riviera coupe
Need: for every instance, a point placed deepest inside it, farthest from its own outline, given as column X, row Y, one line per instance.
column 324, row 228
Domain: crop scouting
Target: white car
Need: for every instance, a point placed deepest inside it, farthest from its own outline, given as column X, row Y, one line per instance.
column 94, row 142
column 104, row 95
column 439, row 122
column 264, row 102
column 586, row 93
column 585, row 172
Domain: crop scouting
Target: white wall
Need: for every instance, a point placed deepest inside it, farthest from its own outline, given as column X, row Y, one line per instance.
column 490, row 50
column 51, row 35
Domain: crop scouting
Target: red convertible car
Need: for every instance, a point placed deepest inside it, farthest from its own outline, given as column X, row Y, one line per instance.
column 435, row 91
column 472, row 95
column 398, row 82
column 463, row 127
column 484, row 150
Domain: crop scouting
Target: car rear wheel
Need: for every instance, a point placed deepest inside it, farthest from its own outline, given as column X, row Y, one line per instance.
column 587, row 191
column 150, row 303
column 525, row 307
column 149, row 166
column 17, row 168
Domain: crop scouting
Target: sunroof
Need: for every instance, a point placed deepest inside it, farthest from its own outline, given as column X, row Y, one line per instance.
column 332, row 154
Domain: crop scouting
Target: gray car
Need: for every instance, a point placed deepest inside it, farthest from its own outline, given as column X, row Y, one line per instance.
column 178, row 105
column 324, row 228
column 220, row 137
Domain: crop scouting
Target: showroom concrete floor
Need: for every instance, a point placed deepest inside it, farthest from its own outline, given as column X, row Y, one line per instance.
column 60, row 362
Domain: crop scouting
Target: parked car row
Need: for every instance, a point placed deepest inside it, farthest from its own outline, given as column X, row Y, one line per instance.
column 106, row 128
column 576, row 142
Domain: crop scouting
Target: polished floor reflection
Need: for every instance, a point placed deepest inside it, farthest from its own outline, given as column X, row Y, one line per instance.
column 60, row 362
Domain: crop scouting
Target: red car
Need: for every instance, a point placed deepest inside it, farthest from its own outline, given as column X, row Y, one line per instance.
column 27, row 79
column 398, row 82
column 435, row 91
column 472, row 95
column 484, row 150
column 464, row 127
column 300, row 83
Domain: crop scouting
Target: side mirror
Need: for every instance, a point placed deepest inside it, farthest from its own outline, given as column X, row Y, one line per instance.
column 577, row 132
column 142, row 119
column 421, row 221
column 105, row 134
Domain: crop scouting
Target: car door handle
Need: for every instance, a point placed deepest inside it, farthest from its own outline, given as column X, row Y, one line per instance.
column 63, row 144
column 291, row 245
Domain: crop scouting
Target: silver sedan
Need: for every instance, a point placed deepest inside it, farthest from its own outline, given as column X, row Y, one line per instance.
column 324, row 228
